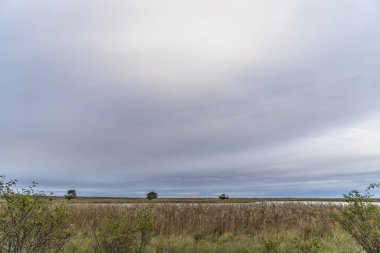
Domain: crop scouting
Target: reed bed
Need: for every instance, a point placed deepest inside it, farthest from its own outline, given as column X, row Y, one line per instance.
column 171, row 219
column 123, row 200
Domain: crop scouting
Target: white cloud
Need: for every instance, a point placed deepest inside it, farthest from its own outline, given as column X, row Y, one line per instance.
column 129, row 88
column 175, row 47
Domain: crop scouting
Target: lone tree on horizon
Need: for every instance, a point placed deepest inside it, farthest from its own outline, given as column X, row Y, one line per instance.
column 71, row 194
column 152, row 195
column 223, row 196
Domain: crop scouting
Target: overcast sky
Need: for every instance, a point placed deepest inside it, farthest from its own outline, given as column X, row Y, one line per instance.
column 191, row 98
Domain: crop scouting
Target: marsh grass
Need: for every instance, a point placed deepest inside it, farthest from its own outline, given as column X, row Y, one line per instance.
column 284, row 242
column 124, row 200
column 216, row 219
column 258, row 228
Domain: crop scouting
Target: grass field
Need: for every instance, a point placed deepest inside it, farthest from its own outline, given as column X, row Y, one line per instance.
column 262, row 228
column 105, row 200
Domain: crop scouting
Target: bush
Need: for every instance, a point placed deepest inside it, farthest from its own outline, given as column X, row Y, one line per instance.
column 115, row 235
column 361, row 219
column 122, row 234
column 144, row 225
column 29, row 221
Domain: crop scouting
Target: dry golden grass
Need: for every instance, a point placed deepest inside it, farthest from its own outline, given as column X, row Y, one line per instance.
column 115, row 200
column 177, row 219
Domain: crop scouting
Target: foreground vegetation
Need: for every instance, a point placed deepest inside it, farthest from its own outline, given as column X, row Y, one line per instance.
column 124, row 200
column 226, row 228
column 32, row 222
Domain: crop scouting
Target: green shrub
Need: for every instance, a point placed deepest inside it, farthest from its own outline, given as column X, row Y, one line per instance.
column 144, row 226
column 29, row 221
column 361, row 219
column 115, row 235
column 310, row 244
column 122, row 234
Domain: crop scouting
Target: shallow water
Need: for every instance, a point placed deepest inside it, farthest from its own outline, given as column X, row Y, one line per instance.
column 292, row 202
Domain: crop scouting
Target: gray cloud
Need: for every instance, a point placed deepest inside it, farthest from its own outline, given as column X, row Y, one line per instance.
column 268, row 99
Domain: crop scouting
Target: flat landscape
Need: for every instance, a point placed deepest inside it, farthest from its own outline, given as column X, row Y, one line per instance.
column 203, row 126
column 115, row 200
column 264, row 227
column 35, row 222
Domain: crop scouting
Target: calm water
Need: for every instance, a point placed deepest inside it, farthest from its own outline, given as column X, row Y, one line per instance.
column 228, row 204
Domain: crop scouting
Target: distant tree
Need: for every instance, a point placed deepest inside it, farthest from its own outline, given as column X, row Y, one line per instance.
column 71, row 194
column 223, row 196
column 151, row 195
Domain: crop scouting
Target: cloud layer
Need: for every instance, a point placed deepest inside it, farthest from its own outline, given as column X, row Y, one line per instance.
column 191, row 99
